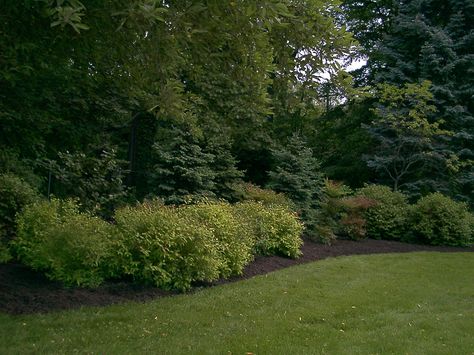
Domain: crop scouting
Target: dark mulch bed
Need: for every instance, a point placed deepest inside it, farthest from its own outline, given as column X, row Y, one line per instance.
column 25, row 291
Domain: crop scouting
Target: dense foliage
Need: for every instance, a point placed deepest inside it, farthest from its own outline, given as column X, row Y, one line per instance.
column 168, row 246
column 68, row 245
column 15, row 194
column 387, row 218
column 116, row 103
column 438, row 220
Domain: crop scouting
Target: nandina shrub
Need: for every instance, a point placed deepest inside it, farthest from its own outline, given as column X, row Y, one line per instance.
column 276, row 229
column 387, row 218
column 165, row 247
column 234, row 243
column 331, row 211
column 67, row 245
column 353, row 223
column 439, row 220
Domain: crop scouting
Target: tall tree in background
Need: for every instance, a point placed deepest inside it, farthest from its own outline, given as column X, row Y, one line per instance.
column 74, row 73
column 434, row 40
column 406, row 157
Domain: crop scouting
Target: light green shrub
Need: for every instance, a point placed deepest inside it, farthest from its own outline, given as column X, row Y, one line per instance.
column 165, row 247
column 235, row 244
column 69, row 246
column 15, row 194
column 276, row 229
column 387, row 218
column 439, row 220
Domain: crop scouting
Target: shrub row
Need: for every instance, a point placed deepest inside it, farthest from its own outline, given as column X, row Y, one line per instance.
column 170, row 247
column 378, row 212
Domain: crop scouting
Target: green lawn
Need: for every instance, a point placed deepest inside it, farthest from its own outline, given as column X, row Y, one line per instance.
column 418, row 303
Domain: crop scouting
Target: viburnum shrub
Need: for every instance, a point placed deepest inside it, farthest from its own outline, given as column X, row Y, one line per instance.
column 67, row 245
column 439, row 220
column 387, row 217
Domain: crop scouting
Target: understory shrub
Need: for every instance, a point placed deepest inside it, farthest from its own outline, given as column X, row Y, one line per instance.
column 166, row 248
column 68, row 245
column 96, row 179
column 439, row 220
column 250, row 192
column 331, row 211
column 276, row 229
column 387, row 218
column 15, row 194
column 353, row 223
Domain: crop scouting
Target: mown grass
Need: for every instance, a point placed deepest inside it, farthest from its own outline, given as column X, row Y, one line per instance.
column 418, row 303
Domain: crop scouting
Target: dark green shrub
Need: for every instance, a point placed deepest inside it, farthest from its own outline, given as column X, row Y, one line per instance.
column 68, row 245
column 439, row 220
column 96, row 179
column 387, row 218
column 234, row 243
column 15, row 194
column 166, row 248
column 276, row 229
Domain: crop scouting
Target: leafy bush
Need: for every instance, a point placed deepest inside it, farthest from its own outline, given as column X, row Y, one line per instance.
column 166, row 248
column 69, row 246
column 438, row 220
column 353, row 222
column 387, row 218
column 15, row 194
column 96, row 180
column 276, row 229
column 331, row 211
column 234, row 243
column 248, row 191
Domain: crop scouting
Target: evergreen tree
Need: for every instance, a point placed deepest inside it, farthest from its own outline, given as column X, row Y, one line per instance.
column 181, row 168
column 433, row 40
column 297, row 174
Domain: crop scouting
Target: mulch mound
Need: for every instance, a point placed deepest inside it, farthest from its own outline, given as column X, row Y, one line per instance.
column 24, row 291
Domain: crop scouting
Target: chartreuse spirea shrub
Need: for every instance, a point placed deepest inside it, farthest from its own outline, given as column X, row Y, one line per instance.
column 439, row 220
column 67, row 245
column 165, row 247
column 387, row 217
column 234, row 241
column 15, row 194
column 276, row 229
column 170, row 247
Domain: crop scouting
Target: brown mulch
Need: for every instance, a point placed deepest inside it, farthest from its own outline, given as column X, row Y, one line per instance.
column 24, row 291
